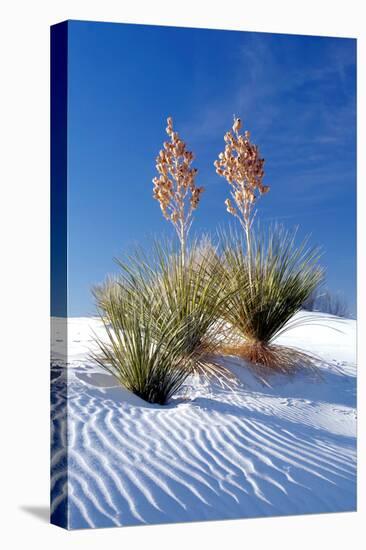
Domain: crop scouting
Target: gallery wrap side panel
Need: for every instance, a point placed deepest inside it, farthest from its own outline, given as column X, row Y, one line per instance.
column 59, row 514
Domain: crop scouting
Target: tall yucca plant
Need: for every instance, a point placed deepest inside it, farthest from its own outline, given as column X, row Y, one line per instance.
column 151, row 364
column 268, row 294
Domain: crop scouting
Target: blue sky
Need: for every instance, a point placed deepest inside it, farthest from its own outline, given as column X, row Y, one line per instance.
column 295, row 94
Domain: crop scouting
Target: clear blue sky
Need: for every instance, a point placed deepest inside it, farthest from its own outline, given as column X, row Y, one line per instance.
column 295, row 94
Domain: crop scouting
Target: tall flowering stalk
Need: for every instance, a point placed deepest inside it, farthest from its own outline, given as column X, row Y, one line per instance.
column 241, row 165
column 175, row 187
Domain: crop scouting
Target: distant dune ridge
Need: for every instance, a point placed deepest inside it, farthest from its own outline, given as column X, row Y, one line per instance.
column 212, row 453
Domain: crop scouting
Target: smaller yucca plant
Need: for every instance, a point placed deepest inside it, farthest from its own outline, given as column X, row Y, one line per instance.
column 151, row 365
column 267, row 294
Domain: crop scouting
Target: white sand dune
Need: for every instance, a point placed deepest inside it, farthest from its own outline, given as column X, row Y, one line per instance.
column 212, row 453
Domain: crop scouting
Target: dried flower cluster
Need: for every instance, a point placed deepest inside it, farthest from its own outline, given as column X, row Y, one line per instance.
column 175, row 188
column 241, row 165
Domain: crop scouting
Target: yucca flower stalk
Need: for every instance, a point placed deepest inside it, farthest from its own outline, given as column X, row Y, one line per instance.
column 175, row 188
column 243, row 168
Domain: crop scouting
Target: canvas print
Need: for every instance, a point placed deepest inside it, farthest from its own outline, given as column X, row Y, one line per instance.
column 203, row 274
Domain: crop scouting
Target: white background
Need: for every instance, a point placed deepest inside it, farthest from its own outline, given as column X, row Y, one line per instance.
column 24, row 289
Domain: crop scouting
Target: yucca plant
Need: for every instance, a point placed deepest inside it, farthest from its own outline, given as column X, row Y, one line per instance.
column 267, row 293
column 151, row 364
column 189, row 295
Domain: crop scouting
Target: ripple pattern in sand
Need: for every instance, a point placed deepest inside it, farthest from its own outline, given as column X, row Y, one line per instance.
column 221, row 455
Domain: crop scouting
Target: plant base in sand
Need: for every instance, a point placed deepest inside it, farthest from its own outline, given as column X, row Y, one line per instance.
column 275, row 358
